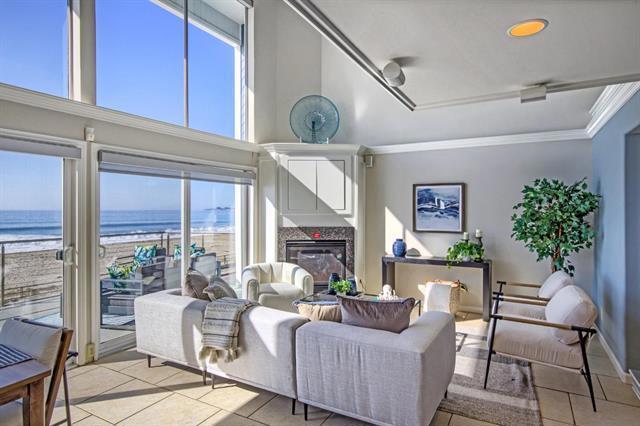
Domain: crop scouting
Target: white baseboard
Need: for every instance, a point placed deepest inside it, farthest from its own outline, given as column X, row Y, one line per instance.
column 624, row 376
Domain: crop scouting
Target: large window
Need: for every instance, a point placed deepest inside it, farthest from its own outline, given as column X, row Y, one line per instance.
column 141, row 52
column 34, row 45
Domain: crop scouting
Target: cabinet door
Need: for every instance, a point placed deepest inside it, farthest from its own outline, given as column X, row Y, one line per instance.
column 331, row 185
column 301, row 185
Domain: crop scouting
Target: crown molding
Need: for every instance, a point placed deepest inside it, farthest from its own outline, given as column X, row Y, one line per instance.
column 608, row 103
column 67, row 106
column 553, row 136
column 312, row 149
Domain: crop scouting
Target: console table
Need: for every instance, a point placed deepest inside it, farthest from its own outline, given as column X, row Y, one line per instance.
column 389, row 274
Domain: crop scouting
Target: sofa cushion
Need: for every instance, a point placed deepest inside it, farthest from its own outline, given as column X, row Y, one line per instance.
column 393, row 315
column 571, row 305
column 536, row 343
column 195, row 284
column 554, row 283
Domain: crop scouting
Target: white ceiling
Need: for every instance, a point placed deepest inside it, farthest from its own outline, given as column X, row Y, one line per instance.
column 460, row 49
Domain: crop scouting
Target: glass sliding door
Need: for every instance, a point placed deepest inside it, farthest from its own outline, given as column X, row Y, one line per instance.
column 214, row 231
column 140, row 235
column 36, row 237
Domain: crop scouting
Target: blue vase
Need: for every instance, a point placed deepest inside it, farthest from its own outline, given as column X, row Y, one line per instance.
column 399, row 248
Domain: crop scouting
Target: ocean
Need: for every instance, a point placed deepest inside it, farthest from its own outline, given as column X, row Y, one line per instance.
column 47, row 224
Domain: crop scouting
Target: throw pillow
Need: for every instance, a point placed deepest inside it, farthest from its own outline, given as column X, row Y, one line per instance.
column 571, row 305
column 554, row 283
column 144, row 254
column 195, row 284
column 218, row 288
column 318, row 312
column 392, row 315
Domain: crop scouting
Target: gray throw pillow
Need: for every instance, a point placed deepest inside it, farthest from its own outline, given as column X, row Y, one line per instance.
column 195, row 284
column 392, row 315
column 219, row 288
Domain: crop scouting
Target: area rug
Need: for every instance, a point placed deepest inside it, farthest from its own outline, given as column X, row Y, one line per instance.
column 509, row 400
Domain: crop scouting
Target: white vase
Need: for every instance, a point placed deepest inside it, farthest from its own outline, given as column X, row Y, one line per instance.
column 466, row 258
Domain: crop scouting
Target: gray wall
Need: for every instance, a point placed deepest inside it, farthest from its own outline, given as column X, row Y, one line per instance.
column 616, row 279
column 494, row 177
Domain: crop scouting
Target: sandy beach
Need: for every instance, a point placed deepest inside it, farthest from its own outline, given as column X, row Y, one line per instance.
column 37, row 274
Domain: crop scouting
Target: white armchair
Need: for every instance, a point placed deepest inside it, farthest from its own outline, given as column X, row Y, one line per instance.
column 554, row 332
column 276, row 285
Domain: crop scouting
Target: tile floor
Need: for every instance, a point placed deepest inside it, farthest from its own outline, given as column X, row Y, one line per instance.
column 120, row 389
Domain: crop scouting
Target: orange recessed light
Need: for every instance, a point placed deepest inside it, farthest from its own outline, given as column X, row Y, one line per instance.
column 528, row 28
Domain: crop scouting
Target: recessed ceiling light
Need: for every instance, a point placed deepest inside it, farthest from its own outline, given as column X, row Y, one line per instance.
column 528, row 28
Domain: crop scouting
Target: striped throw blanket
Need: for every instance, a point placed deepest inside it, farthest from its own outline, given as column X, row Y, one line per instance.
column 220, row 327
column 10, row 355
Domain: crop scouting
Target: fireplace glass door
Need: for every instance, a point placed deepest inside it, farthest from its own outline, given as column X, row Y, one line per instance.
column 319, row 258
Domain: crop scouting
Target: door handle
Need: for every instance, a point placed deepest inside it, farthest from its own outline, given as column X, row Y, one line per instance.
column 102, row 251
column 68, row 256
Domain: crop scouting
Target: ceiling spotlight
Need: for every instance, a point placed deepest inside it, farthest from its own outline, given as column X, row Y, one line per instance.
column 392, row 72
column 528, row 28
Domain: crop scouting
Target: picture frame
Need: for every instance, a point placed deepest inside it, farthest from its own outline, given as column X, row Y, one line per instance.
column 439, row 207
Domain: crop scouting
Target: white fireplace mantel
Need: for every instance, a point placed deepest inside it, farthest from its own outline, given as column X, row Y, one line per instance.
column 303, row 185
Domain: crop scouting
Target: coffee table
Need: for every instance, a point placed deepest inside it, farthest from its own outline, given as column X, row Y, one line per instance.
column 324, row 298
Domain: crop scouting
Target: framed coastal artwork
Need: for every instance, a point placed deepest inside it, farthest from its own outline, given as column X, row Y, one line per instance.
column 438, row 207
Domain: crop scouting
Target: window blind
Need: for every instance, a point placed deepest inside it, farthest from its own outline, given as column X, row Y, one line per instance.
column 115, row 162
column 30, row 146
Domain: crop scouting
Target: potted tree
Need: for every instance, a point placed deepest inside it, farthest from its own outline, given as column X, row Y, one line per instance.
column 552, row 220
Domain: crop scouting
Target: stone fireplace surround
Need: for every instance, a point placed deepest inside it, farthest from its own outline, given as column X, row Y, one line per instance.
column 326, row 233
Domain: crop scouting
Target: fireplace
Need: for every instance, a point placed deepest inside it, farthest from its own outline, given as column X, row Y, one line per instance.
column 320, row 258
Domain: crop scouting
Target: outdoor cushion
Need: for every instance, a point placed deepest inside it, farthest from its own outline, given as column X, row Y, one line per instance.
column 555, row 282
column 393, row 315
column 535, row 343
column 571, row 305
column 195, row 284
column 144, row 254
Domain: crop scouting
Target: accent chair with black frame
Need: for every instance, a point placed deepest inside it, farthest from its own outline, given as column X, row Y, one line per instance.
column 553, row 332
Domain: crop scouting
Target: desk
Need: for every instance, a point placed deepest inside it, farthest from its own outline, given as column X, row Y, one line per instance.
column 25, row 380
column 389, row 274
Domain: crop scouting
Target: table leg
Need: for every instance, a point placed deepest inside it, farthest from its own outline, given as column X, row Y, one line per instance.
column 486, row 292
column 389, row 274
column 33, row 405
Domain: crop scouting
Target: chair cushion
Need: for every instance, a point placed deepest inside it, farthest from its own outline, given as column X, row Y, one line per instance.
column 195, row 284
column 571, row 305
column 393, row 315
column 40, row 342
column 555, row 282
column 521, row 310
column 279, row 296
column 535, row 343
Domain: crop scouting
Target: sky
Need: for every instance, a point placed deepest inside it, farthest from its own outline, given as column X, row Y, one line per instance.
column 139, row 60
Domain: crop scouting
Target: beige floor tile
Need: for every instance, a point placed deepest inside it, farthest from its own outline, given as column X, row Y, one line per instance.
column 457, row 420
column 93, row 421
column 94, row 382
column 187, row 383
column 81, row 369
column 60, row 414
column 123, row 401
column 547, row 422
column 475, row 327
column 225, row 418
column 554, row 378
column 616, row 391
column 157, row 373
column 122, row 360
column 608, row 414
column 440, row 419
column 174, row 410
column 237, row 398
column 278, row 412
column 602, row 365
column 338, row 420
column 555, row 405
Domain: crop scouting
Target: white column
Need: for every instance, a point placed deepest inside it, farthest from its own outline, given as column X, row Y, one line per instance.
column 185, row 238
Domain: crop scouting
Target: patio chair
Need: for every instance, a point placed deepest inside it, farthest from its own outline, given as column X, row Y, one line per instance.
column 556, row 334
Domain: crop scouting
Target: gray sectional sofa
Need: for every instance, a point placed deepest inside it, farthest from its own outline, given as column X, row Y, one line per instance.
column 372, row 375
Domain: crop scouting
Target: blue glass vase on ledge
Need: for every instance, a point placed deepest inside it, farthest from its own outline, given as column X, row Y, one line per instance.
column 399, row 248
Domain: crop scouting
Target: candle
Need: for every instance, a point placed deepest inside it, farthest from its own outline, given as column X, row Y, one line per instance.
column 478, row 233
column 465, row 236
